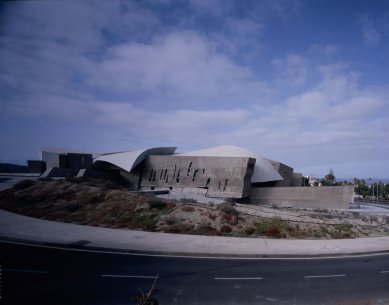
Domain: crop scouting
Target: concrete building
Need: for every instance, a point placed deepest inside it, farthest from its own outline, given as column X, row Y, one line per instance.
column 223, row 171
column 62, row 162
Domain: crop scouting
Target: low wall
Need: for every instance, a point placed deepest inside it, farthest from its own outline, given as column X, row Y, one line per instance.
column 330, row 197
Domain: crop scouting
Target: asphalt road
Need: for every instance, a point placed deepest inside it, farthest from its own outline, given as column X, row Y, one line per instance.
column 39, row 275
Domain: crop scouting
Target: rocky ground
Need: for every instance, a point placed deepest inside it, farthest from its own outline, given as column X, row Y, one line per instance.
column 106, row 204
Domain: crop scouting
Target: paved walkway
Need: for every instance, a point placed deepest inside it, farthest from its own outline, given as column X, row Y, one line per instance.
column 22, row 228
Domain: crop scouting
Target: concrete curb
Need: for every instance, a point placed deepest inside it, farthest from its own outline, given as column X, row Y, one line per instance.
column 74, row 246
column 23, row 229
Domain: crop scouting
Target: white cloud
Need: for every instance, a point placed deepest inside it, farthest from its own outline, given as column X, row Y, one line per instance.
column 181, row 68
column 371, row 36
column 294, row 69
column 116, row 68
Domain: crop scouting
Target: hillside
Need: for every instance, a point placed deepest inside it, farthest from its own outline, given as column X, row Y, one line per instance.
column 105, row 204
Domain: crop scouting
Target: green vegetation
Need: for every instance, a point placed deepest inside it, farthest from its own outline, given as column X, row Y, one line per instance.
column 147, row 298
column 228, row 208
column 273, row 227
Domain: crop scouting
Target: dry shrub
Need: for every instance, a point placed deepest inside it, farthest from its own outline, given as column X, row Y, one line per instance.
column 249, row 231
column 225, row 229
column 230, row 219
column 157, row 204
column 205, row 229
column 170, row 205
column 227, row 217
column 228, row 208
column 180, row 228
column 24, row 184
column 273, row 227
column 85, row 198
column 171, row 220
column 188, row 209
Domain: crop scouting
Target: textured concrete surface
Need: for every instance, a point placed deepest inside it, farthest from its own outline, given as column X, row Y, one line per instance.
column 334, row 197
column 22, row 228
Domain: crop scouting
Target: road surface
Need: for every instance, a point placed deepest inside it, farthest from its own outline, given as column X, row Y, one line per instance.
column 42, row 275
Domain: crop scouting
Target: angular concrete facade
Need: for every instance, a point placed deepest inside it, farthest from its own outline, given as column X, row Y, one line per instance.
column 218, row 176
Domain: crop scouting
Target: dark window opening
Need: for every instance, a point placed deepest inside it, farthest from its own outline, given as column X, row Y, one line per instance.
column 178, row 177
column 194, row 175
column 151, row 174
column 160, row 176
column 203, row 170
column 155, row 173
column 164, row 176
column 208, row 182
column 225, row 185
column 190, row 165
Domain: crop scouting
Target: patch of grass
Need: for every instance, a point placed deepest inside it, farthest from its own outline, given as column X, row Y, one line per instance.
column 249, row 231
column 272, row 227
column 156, row 203
column 142, row 221
column 344, row 227
column 324, row 230
column 228, row 208
column 147, row 298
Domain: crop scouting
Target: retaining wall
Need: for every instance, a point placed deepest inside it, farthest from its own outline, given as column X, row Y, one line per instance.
column 330, row 197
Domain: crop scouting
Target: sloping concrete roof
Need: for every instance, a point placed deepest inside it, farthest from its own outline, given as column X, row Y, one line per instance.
column 263, row 170
column 130, row 159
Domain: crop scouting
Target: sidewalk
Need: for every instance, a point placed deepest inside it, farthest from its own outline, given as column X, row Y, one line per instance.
column 15, row 227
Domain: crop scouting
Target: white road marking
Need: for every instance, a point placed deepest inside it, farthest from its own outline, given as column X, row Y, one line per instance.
column 130, row 276
column 24, row 270
column 323, row 276
column 195, row 256
column 238, row 278
column 385, row 271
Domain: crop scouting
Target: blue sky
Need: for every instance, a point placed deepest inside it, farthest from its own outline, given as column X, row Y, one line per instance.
column 302, row 82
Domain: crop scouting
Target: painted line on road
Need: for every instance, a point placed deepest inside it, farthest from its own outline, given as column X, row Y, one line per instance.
column 24, row 270
column 196, row 256
column 237, row 278
column 323, row 276
column 131, row 276
column 384, row 271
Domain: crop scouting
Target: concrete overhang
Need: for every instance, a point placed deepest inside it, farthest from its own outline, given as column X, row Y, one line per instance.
column 130, row 159
column 263, row 170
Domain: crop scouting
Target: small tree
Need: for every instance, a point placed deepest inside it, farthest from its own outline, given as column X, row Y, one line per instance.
column 330, row 178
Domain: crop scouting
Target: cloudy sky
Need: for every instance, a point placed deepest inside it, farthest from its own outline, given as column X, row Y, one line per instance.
column 302, row 82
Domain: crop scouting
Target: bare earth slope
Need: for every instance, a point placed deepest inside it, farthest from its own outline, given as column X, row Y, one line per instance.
column 105, row 204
